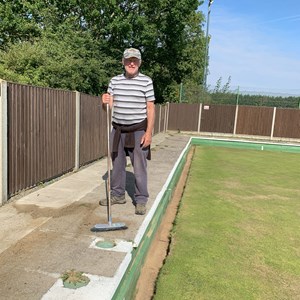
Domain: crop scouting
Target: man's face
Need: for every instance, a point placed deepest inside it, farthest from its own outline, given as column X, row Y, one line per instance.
column 131, row 65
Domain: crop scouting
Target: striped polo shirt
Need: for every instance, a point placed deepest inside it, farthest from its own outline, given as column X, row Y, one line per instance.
column 130, row 98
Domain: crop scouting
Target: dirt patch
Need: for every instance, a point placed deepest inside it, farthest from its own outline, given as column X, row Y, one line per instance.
column 158, row 250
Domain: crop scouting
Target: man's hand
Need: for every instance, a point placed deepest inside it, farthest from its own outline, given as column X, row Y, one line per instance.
column 146, row 140
column 147, row 137
column 107, row 99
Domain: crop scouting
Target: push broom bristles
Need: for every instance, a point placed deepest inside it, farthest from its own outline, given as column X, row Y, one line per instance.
column 109, row 227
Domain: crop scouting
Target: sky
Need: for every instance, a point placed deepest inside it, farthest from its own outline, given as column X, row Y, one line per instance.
column 256, row 43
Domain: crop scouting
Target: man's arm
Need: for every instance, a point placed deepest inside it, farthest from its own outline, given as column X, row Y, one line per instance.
column 147, row 137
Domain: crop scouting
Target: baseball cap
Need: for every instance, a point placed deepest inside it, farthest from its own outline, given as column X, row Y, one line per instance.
column 132, row 52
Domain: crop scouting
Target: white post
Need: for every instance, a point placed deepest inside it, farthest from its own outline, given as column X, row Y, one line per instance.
column 165, row 120
column 199, row 118
column 167, row 116
column 159, row 118
column 3, row 140
column 273, row 122
column 235, row 118
column 77, row 131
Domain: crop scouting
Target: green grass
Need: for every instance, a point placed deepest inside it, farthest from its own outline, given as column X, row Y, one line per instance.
column 237, row 233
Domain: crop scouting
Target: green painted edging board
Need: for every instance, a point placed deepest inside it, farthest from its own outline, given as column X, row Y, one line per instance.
column 126, row 288
column 246, row 145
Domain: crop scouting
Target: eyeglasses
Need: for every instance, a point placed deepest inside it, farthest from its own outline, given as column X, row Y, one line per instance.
column 134, row 60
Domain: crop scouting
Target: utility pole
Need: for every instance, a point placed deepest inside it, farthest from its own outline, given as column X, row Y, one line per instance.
column 206, row 46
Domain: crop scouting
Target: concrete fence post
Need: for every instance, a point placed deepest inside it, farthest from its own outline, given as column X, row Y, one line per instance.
column 3, row 139
column 159, row 118
column 273, row 122
column 165, row 119
column 167, row 116
column 199, row 117
column 77, row 132
column 235, row 119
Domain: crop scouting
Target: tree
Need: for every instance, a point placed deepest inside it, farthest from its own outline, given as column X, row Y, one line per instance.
column 72, row 62
column 17, row 23
column 73, row 43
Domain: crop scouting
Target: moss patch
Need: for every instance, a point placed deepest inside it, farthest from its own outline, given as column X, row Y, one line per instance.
column 74, row 279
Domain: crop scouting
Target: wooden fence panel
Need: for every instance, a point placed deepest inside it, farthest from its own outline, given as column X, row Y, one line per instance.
column 217, row 118
column 41, row 135
column 254, row 120
column 183, row 116
column 93, row 136
column 163, row 118
column 287, row 123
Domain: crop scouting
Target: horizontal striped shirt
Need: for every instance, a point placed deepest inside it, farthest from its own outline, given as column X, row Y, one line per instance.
column 130, row 98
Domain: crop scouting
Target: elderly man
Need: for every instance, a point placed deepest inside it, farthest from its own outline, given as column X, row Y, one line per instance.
column 131, row 97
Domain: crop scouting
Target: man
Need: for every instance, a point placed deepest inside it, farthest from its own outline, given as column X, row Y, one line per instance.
column 131, row 98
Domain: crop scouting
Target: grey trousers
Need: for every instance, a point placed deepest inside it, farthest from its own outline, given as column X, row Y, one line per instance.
column 138, row 157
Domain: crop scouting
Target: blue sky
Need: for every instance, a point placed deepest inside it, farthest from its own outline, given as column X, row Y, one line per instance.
column 255, row 42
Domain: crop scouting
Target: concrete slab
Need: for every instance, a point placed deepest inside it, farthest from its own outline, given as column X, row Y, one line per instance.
column 14, row 225
column 65, row 191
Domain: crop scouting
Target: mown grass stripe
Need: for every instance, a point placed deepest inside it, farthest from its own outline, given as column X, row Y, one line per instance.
column 237, row 232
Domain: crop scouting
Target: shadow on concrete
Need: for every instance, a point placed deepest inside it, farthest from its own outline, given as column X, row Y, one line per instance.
column 129, row 187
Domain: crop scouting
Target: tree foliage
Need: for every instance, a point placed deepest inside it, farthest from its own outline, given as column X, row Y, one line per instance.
column 223, row 94
column 233, row 98
column 78, row 45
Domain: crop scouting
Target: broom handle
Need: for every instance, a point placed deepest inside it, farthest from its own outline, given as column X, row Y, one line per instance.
column 108, row 166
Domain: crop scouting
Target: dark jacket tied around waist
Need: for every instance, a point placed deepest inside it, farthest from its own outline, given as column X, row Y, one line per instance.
column 129, row 138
